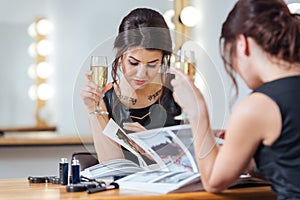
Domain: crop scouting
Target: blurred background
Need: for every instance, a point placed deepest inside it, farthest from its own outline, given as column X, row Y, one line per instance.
column 73, row 30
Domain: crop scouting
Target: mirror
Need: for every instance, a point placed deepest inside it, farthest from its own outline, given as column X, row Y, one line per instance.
column 16, row 109
column 74, row 36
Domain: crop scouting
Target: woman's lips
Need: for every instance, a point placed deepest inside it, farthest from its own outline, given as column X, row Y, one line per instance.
column 139, row 82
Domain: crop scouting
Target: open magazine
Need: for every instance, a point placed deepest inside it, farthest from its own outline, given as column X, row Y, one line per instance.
column 170, row 148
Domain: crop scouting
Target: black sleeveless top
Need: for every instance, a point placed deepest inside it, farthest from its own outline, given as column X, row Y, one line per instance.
column 280, row 162
column 159, row 114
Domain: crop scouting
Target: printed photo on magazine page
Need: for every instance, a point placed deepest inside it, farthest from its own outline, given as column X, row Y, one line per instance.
column 168, row 147
column 114, row 132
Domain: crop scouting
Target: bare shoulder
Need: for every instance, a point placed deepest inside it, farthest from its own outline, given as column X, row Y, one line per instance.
column 256, row 104
column 252, row 122
column 260, row 115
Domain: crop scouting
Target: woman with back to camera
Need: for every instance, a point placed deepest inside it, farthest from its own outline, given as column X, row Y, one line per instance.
column 261, row 43
column 141, row 98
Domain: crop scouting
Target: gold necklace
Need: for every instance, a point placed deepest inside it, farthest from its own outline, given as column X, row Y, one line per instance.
column 139, row 118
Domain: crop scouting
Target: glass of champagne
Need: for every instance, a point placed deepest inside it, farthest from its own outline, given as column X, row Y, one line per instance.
column 99, row 68
column 189, row 63
column 186, row 63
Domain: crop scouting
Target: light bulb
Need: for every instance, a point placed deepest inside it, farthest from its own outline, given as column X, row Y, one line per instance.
column 44, row 70
column 31, row 71
column 31, row 30
column 44, row 27
column 169, row 15
column 32, row 93
column 189, row 16
column 32, row 50
column 44, row 47
column 44, row 91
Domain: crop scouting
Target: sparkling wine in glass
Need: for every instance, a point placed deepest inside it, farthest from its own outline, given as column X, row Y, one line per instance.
column 189, row 63
column 99, row 68
column 186, row 62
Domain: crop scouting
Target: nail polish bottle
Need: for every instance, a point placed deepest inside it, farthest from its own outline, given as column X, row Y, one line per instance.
column 75, row 171
column 63, row 171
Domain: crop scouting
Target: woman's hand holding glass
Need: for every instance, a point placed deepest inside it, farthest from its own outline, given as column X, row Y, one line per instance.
column 187, row 95
column 99, row 68
column 186, row 63
column 90, row 93
column 93, row 91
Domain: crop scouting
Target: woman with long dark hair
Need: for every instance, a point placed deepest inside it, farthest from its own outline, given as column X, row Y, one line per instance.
column 260, row 41
column 139, row 96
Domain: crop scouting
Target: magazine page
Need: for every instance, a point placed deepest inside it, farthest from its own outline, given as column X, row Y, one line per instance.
column 158, row 181
column 184, row 133
column 164, row 143
column 114, row 132
column 117, row 167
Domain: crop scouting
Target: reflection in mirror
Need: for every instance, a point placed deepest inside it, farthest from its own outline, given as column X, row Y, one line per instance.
column 41, row 91
column 74, row 37
column 15, row 107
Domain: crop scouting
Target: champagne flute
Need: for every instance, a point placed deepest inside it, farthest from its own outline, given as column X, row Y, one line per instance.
column 189, row 64
column 99, row 68
column 186, row 62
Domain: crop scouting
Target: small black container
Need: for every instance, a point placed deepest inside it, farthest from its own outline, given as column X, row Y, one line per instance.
column 75, row 171
column 63, row 171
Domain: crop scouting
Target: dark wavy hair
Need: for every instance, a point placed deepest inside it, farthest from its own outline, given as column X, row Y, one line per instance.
column 269, row 23
column 146, row 28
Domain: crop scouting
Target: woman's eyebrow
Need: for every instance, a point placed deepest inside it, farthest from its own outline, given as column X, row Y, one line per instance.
column 134, row 58
column 153, row 61
column 140, row 61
